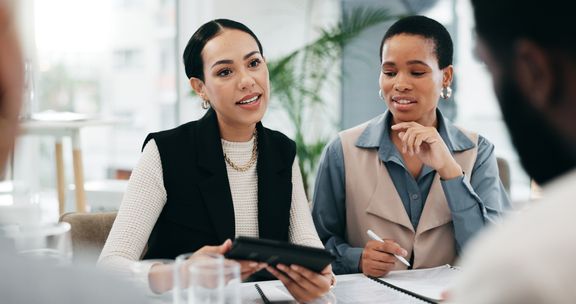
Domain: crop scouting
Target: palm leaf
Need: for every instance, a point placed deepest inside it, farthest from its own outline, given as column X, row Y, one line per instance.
column 298, row 78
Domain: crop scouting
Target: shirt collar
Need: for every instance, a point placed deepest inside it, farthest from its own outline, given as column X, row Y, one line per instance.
column 377, row 135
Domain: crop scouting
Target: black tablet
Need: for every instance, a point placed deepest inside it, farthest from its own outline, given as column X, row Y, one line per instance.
column 277, row 252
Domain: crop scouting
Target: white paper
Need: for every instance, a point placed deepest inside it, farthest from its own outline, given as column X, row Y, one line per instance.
column 430, row 282
column 357, row 288
column 366, row 291
column 275, row 294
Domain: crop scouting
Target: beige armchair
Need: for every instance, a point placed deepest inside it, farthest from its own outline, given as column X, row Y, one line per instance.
column 89, row 232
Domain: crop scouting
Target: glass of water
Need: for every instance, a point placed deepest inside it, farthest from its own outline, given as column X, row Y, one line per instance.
column 181, row 278
column 51, row 242
column 214, row 281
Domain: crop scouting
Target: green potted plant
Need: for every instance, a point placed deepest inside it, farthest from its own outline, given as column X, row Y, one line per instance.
column 298, row 78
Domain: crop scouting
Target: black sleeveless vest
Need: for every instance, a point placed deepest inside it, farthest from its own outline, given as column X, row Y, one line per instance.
column 199, row 209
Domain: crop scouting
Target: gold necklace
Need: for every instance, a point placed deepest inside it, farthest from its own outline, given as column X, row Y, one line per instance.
column 252, row 160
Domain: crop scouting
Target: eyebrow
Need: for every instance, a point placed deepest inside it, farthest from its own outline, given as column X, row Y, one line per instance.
column 411, row 62
column 229, row 61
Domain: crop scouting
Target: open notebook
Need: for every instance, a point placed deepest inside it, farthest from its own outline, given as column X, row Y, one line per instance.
column 426, row 285
column 407, row 286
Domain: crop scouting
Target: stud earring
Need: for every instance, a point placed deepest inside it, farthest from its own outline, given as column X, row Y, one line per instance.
column 446, row 92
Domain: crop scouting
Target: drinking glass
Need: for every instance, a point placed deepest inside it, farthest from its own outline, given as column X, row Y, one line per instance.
column 140, row 274
column 214, row 281
column 232, row 282
column 206, row 278
column 49, row 242
column 206, row 281
column 328, row 298
column 181, row 278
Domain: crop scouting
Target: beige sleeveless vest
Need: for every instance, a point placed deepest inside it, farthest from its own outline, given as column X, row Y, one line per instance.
column 372, row 202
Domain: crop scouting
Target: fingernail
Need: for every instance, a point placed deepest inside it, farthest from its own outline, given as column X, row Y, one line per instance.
column 253, row 264
column 281, row 267
column 404, row 252
column 294, row 267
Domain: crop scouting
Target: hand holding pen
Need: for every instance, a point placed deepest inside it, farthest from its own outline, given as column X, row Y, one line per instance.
column 379, row 256
column 375, row 237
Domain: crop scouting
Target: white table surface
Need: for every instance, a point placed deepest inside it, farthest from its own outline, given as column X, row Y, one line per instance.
column 250, row 294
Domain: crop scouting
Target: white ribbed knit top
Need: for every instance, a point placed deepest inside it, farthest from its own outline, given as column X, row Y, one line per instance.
column 145, row 197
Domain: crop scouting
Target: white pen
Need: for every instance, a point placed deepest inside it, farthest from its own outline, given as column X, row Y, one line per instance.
column 375, row 237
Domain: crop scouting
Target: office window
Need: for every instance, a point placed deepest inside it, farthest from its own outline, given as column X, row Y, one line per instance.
column 106, row 58
column 127, row 58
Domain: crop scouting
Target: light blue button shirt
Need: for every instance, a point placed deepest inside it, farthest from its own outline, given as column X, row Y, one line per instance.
column 471, row 204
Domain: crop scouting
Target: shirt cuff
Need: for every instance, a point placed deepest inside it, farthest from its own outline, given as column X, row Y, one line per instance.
column 459, row 193
column 352, row 259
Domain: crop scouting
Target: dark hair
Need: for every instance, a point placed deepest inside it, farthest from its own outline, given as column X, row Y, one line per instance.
column 192, row 56
column 547, row 23
column 427, row 28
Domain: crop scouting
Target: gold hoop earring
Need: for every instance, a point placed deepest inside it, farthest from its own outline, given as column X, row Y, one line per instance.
column 446, row 92
column 205, row 104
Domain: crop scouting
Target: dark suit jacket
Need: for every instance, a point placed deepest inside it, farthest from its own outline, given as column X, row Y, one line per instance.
column 199, row 209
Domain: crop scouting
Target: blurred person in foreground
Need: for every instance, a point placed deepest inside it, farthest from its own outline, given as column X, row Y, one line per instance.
column 529, row 47
column 30, row 281
column 11, row 83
